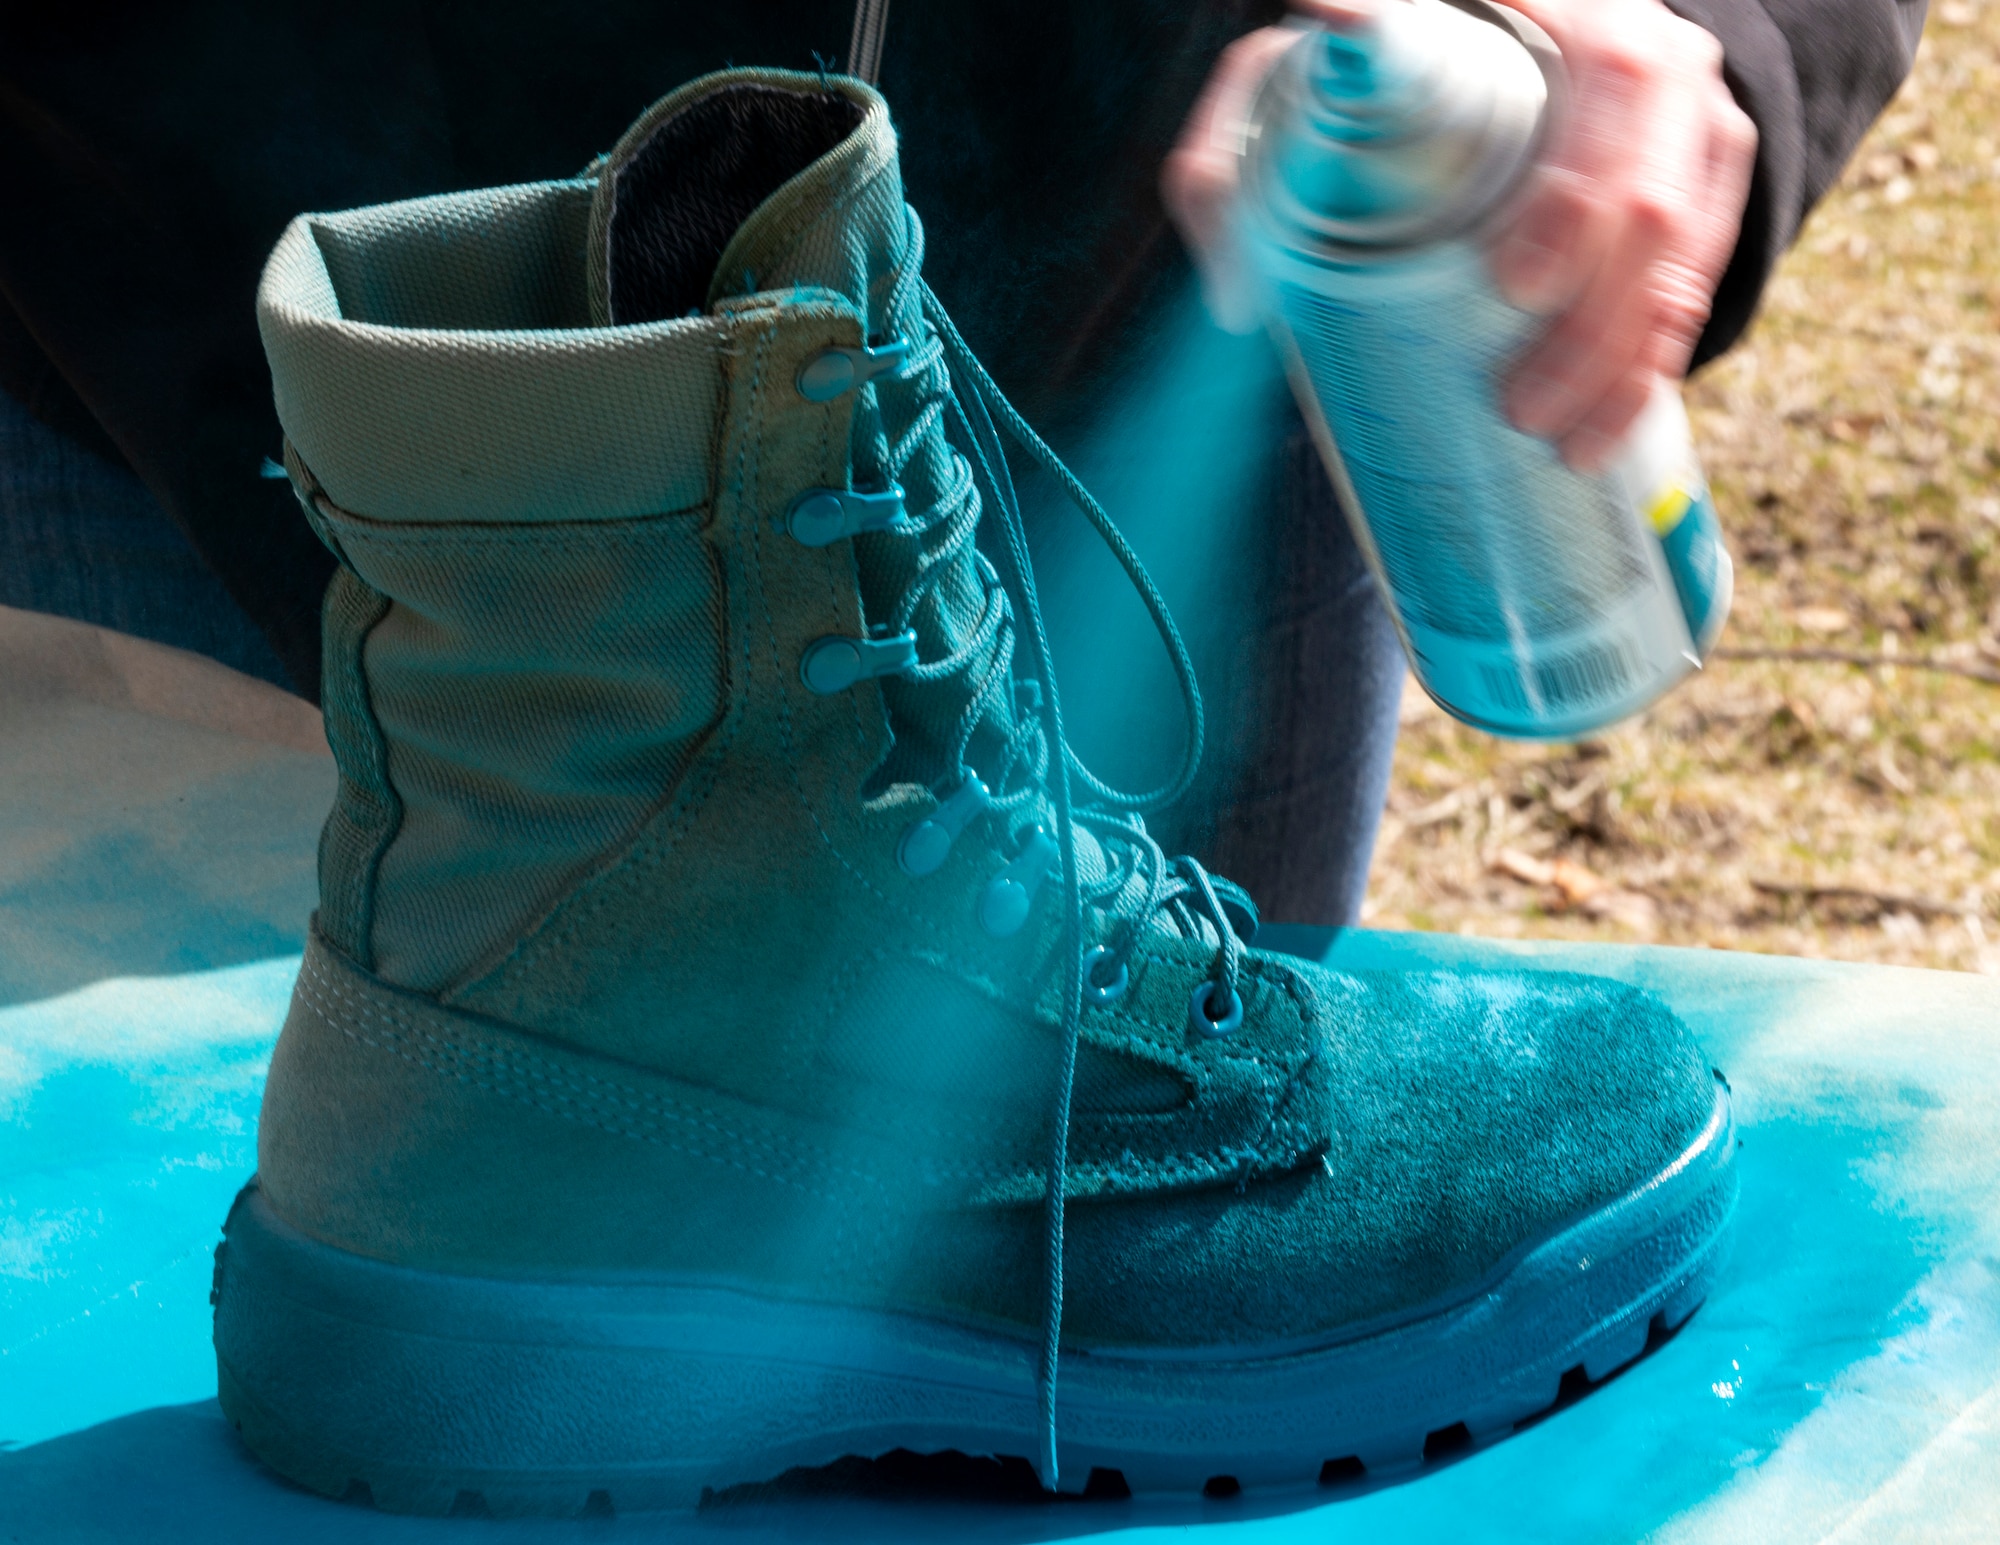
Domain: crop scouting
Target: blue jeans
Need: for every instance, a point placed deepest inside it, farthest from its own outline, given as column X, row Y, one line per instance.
column 1303, row 715
column 82, row 537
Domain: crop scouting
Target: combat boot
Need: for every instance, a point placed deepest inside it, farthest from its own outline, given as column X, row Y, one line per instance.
column 736, row 1033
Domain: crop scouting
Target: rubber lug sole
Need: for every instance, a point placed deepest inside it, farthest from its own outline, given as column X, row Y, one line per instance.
column 436, row 1394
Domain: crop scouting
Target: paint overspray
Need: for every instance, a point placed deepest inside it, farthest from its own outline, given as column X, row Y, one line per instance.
column 1181, row 456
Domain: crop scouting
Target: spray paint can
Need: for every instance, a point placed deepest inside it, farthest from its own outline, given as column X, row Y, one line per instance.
column 1533, row 600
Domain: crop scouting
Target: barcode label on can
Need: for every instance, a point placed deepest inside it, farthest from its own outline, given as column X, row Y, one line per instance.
column 1573, row 681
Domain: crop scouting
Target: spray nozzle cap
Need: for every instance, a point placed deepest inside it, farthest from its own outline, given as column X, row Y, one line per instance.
column 1373, row 56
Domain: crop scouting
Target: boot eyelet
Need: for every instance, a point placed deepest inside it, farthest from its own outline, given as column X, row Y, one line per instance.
column 1010, row 895
column 1101, row 993
column 835, row 663
column 834, row 371
column 926, row 841
column 1202, row 1023
column 819, row 517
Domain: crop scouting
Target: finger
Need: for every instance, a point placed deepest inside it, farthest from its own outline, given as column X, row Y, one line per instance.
column 1684, row 288
column 1593, row 343
column 1545, row 252
column 1199, row 177
column 1732, row 157
column 1552, row 242
column 1649, row 279
column 1600, row 434
column 1731, row 163
column 1639, row 318
column 1687, row 276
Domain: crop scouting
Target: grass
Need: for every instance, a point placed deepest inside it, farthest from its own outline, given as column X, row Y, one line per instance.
column 1803, row 806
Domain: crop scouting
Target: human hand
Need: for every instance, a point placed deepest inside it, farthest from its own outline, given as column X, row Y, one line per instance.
column 1628, row 221
column 1620, row 240
column 1199, row 178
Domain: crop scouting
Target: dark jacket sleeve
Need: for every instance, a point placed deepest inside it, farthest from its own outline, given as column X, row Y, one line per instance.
column 1812, row 75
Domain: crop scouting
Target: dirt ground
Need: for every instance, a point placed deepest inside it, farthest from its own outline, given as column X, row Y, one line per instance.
column 1830, row 785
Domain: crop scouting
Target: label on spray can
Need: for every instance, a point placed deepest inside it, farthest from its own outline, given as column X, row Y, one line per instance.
column 1663, row 480
column 1533, row 600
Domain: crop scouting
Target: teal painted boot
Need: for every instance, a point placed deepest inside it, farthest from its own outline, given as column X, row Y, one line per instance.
column 719, row 951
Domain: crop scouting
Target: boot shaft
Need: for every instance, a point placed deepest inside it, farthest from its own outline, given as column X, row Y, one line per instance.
column 720, row 161
column 522, row 641
column 525, row 643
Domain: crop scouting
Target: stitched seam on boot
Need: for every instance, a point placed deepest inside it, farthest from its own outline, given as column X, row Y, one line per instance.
column 353, row 922
column 660, row 831
column 755, row 581
column 1281, row 1139
column 653, row 847
column 1160, row 1036
column 835, row 595
column 1277, row 1142
column 329, row 999
column 1220, row 1054
column 560, row 927
column 371, row 532
column 355, row 704
column 834, row 598
column 366, row 532
column 1301, row 1129
column 980, row 1129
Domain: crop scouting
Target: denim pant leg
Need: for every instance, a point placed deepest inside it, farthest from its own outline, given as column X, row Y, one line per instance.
column 82, row 537
column 1303, row 729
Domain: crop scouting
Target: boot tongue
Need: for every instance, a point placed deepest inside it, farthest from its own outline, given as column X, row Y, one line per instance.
column 761, row 180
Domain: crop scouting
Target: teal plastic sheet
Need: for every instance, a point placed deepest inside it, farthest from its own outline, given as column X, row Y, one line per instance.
column 1843, row 1383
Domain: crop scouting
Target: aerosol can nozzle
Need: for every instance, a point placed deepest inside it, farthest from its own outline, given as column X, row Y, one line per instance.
column 1394, row 121
column 1374, row 66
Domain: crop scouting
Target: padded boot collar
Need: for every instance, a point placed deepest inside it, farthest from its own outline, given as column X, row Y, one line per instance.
column 705, row 195
column 432, row 363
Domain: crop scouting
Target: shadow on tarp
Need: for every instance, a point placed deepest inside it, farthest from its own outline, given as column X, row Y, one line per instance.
column 137, row 845
column 121, row 905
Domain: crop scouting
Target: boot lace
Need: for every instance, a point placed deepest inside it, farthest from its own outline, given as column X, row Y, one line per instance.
column 1134, row 887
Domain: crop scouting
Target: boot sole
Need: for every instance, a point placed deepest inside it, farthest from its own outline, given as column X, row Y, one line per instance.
column 432, row 1393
